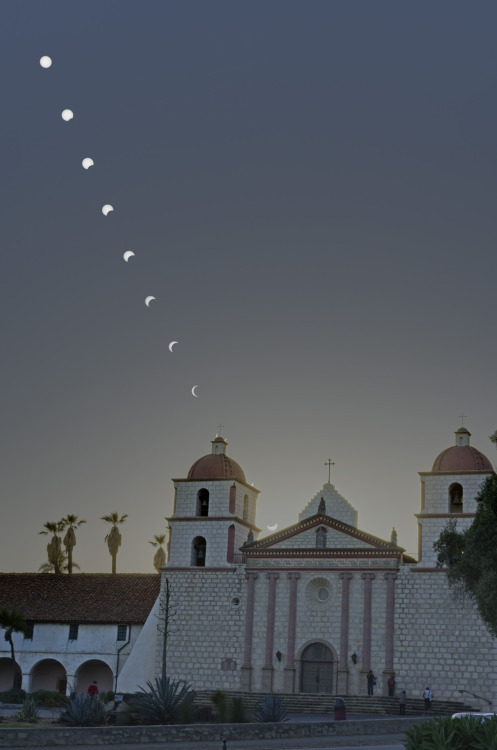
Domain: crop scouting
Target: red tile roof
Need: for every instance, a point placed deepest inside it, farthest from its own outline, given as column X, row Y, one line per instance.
column 121, row 598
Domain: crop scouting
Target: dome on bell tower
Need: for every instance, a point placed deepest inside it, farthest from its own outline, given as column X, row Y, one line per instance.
column 217, row 465
column 461, row 456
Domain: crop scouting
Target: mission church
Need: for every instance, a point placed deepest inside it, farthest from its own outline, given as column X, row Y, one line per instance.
column 310, row 608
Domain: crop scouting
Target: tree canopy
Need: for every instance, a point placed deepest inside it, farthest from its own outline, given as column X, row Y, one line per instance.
column 471, row 555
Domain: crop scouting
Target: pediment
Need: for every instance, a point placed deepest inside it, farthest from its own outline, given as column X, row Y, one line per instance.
column 320, row 532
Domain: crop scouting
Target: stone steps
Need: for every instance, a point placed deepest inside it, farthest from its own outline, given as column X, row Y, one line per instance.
column 323, row 703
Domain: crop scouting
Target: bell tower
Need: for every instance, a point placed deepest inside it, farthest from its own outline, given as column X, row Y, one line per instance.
column 214, row 511
column 449, row 491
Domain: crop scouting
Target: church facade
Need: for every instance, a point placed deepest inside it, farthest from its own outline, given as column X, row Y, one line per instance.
column 313, row 607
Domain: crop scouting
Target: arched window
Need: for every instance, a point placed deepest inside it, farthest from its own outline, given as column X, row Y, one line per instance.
column 231, row 544
column 246, row 508
column 321, row 537
column 198, row 552
column 455, row 498
column 202, row 502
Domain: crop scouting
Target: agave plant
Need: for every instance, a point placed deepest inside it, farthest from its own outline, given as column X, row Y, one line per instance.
column 271, row 708
column 29, row 711
column 84, row 711
column 162, row 702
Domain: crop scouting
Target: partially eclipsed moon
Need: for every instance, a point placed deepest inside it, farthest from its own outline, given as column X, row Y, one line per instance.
column 45, row 61
column 67, row 115
column 272, row 528
column 171, row 347
column 149, row 300
column 107, row 209
column 127, row 255
column 87, row 162
column 193, row 391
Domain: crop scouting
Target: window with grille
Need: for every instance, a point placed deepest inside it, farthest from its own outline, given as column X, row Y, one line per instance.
column 122, row 632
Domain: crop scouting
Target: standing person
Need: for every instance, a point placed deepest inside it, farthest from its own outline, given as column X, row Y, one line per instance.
column 371, row 682
column 391, row 685
column 402, row 703
column 428, row 697
column 93, row 689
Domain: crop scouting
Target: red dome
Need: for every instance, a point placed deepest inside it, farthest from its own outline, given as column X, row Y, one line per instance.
column 461, row 458
column 216, row 466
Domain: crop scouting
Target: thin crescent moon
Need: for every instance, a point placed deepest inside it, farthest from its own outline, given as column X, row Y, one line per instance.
column 127, row 255
column 148, row 301
column 193, row 391
column 273, row 528
column 171, row 346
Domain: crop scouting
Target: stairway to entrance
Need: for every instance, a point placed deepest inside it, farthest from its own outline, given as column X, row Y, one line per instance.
column 323, row 703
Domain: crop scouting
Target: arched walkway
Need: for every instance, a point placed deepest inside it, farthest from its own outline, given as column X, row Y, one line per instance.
column 49, row 674
column 91, row 670
column 7, row 675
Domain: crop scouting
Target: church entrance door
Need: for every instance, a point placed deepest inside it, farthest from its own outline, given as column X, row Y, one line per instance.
column 316, row 669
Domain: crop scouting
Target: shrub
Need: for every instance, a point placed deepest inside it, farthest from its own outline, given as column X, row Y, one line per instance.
column 29, row 711
column 162, row 703
column 14, row 695
column 49, row 698
column 84, row 711
column 203, row 714
column 237, row 711
column 271, row 708
column 464, row 733
column 107, row 697
column 218, row 699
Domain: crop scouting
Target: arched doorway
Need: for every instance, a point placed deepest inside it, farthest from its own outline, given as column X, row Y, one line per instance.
column 91, row 670
column 49, row 674
column 7, row 675
column 316, row 674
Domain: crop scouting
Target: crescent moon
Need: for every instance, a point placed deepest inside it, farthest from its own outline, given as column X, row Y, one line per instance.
column 149, row 300
column 272, row 528
column 171, row 347
column 193, row 391
column 127, row 255
column 107, row 209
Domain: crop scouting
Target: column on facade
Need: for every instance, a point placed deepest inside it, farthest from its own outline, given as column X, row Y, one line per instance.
column 343, row 669
column 367, row 621
column 390, row 579
column 246, row 673
column 289, row 675
column 267, row 670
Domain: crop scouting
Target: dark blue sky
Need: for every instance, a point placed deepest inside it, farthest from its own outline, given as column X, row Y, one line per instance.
column 309, row 189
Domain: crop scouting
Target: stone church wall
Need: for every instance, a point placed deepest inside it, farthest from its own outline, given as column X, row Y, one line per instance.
column 439, row 641
column 206, row 642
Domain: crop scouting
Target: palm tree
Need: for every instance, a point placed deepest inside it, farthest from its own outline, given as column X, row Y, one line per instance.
column 12, row 622
column 70, row 522
column 160, row 555
column 114, row 538
column 54, row 547
column 48, row 567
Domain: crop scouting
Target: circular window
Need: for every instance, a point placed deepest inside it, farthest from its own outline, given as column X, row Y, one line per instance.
column 318, row 593
column 323, row 594
column 235, row 602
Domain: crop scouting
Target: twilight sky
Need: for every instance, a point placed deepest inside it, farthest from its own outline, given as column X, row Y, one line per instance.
column 309, row 189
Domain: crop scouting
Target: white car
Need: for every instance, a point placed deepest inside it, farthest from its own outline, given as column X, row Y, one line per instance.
column 477, row 715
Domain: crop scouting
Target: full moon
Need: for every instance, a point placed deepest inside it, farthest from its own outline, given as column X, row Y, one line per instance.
column 107, row 209
column 87, row 162
column 45, row 61
column 67, row 115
